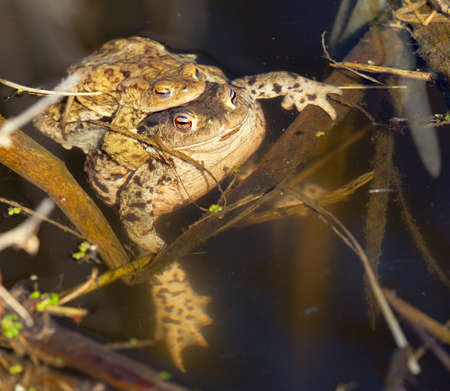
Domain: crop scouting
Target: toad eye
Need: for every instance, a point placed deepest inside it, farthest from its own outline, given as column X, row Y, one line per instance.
column 162, row 92
column 231, row 98
column 183, row 122
column 197, row 74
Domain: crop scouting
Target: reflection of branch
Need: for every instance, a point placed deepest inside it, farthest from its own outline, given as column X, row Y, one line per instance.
column 31, row 161
column 24, row 235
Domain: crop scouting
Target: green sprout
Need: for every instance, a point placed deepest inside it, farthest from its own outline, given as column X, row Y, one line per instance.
column 78, row 255
column 35, row 295
column 53, row 299
column 11, row 326
column 82, row 248
column 214, row 208
column 320, row 133
column 165, row 375
column 132, row 341
column 58, row 361
column 236, row 170
column 13, row 369
column 14, row 211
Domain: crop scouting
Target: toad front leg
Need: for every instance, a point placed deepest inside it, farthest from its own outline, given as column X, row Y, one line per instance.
column 151, row 191
column 297, row 90
column 137, row 212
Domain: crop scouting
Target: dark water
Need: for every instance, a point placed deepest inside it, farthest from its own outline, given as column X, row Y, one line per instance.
column 288, row 299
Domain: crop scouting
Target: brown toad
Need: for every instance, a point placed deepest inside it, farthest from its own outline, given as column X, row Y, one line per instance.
column 220, row 130
column 136, row 75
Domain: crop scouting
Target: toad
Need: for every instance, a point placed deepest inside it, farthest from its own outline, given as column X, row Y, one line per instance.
column 220, row 130
column 136, row 76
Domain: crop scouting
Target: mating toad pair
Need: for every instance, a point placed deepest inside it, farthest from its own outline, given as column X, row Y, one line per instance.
column 192, row 109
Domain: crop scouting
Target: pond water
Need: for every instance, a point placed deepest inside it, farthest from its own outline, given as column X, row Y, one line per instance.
column 288, row 298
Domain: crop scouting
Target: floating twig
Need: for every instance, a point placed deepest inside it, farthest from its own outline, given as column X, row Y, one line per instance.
column 16, row 122
column 40, row 92
column 427, row 76
column 31, row 212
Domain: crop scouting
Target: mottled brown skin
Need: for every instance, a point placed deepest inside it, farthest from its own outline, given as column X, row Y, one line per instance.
column 137, row 76
column 221, row 129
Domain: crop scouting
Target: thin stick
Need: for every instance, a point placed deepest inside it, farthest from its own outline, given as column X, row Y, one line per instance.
column 351, row 241
column 363, row 87
column 31, row 212
column 81, row 289
column 415, row 316
column 105, row 279
column 427, row 76
column 38, row 91
column 414, row 8
column 332, row 62
column 11, row 301
column 24, row 235
column 16, row 122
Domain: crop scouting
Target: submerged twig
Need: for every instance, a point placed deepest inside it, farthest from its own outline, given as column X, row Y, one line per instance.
column 440, row 353
column 418, row 317
column 350, row 240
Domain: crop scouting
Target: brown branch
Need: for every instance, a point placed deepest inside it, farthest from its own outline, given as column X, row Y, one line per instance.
column 31, row 161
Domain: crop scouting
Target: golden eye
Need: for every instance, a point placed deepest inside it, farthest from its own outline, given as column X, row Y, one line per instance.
column 162, row 92
column 183, row 122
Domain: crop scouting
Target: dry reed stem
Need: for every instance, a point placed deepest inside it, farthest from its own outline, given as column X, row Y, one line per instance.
column 427, row 76
column 38, row 91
